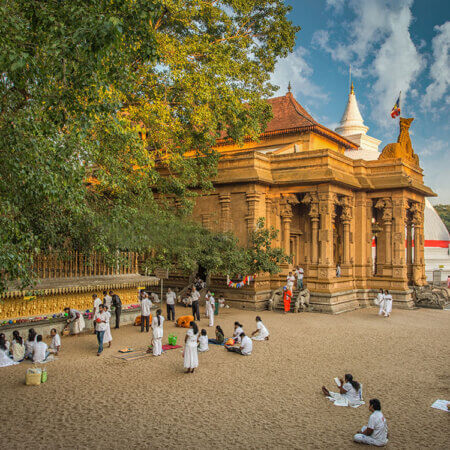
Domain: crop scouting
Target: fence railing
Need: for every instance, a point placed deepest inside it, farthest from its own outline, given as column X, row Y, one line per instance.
column 74, row 264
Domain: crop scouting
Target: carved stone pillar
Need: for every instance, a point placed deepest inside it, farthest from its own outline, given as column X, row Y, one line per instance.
column 268, row 210
column 326, row 207
column 286, row 219
column 384, row 253
column 418, row 265
column 409, row 243
column 206, row 221
column 346, row 218
column 225, row 211
column 312, row 201
column 252, row 202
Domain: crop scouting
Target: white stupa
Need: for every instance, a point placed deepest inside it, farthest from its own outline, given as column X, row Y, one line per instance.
column 352, row 127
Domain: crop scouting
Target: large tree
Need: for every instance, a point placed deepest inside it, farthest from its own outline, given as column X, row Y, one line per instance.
column 132, row 95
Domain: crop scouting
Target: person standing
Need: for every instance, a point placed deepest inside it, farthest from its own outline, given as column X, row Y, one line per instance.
column 376, row 431
column 195, row 296
column 290, row 280
column 388, row 303
column 300, row 273
column 210, row 305
column 158, row 332
column 97, row 303
column 107, row 300
column 381, row 303
column 146, row 306
column 100, row 328
column 287, row 296
column 117, row 303
column 170, row 302
column 190, row 348
column 107, row 339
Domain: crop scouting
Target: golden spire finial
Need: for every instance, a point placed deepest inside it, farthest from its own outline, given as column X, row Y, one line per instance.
column 289, row 87
column 352, row 89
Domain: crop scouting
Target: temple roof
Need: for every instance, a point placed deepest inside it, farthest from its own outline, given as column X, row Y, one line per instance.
column 290, row 117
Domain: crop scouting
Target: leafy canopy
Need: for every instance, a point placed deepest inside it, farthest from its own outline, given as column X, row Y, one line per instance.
column 133, row 93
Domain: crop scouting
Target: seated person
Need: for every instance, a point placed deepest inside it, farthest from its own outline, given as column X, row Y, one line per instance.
column 237, row 332
column 348, row 391
column 17, row 347
column 376, row 431
column 261, row 333
column 245, row 348
column 221, row 301
column 154, row 297
column 40, row 352
column 184, row 321
column 220, row 337
column 55, row 346
column 187, row 299
column 203, row 341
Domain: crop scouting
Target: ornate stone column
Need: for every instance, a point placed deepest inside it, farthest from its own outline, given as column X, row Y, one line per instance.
column 326, row 207
column 252, row 201
column 385, row 205
column 286, row 219
column 346, row 218
column 312, row 201
column 418, row 265
column 225, row 211
column 268, row 210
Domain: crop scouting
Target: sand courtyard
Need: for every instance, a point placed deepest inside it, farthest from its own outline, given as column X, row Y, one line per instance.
column 271, row 399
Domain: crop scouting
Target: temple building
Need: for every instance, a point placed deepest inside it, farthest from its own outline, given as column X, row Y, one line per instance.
column 437, row 238
column 330, row 205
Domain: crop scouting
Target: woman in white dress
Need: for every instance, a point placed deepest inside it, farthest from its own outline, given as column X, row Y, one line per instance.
column 210, row 304
column 5, row 360
column 349, row 392
column 261, row 333
column 107, row 338
column 157, row 328
column 30, row 343
column 190, row 348
column 75, row 320
column 381, row 302
column 388, row 303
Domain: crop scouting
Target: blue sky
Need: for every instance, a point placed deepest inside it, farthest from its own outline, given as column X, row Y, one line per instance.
column 392, row 46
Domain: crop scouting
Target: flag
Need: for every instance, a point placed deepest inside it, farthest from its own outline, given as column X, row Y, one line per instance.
column 396, row 109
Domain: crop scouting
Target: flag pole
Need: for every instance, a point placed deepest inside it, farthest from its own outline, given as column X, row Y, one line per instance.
column 399, row 104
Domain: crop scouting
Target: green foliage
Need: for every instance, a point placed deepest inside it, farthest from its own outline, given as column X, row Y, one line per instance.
column 83, row 81
column 444, row 213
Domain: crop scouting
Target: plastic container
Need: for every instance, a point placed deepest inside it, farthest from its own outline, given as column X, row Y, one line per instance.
column 43, row 376
column 172, row 339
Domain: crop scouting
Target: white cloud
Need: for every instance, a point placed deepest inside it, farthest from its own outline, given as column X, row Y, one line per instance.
column 378, row 44
column 440, row 68
column 338, row 5
column 296, row 70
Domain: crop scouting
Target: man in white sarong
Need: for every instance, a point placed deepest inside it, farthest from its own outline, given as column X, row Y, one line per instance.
column 376, row 431
column 380, row 302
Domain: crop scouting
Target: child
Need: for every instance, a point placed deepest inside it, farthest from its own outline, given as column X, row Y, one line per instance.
column 220, row 337
column 55, row 346
column 203, row 341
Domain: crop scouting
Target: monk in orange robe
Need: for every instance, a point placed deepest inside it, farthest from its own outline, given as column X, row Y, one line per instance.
column 287, row 295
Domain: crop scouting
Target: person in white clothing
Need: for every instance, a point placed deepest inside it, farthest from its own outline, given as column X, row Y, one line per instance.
column 55, row 346
column 376, row 431
column 338, row 271
column 17, row 347
column 237, row 332
column 154, row 297
column 381, row 302
column 261, row 333
column 101, row 324
column 75, row 320
column 299, row 273
column 107, row 338
column 290, row 280
column 157, row 327
column 203, row 341
column 348, row 391
column 388, row 303
column 107, row 300
column 191, row 349
column 5, row 360
column 146, row 306
column 245, row 348
column 96, row 304
column 210, row 305
column 40, row 352
column 170, row 303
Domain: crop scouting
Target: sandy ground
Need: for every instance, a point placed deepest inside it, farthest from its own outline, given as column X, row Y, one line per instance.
column 271, row 399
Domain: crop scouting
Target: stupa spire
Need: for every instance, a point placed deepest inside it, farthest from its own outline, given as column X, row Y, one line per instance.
column 352, row 121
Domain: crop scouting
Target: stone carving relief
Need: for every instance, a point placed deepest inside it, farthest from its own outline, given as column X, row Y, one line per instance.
column 402, row 148
column 430, row 297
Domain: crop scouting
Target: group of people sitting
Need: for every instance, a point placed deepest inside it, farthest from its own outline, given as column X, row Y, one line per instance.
column 384, row 301
column 350, row 394
column 240, row 343
column 33, row 348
